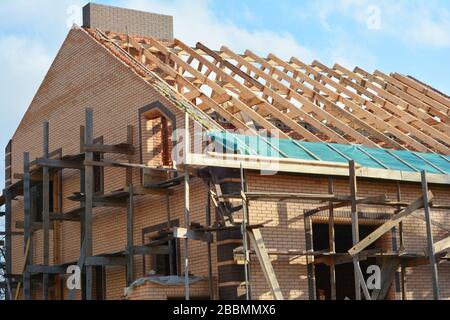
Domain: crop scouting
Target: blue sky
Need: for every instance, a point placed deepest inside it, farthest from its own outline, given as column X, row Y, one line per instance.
column 406, row 36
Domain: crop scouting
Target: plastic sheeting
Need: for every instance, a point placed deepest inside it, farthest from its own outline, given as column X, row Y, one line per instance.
column 379, row 158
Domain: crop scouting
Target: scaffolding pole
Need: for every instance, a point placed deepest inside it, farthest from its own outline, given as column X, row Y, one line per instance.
column 332, row 243
column 46, row 210
column 130, row 235
column 355, row 225
column 186, row 205
column 400, row 229
column 245, row 237
column 208, row 223
column 89, row 190
column 28, row 233
column 169, row 225
column 8, row 238
column 359, row 278
column 431, row 252
column 82, row 220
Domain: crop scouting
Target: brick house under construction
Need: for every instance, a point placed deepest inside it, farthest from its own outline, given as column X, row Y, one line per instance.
column 169, row 172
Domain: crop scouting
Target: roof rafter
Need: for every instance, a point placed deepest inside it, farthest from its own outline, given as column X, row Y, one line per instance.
column 295, row 100
column 419, row 128
column 373, row 81
column 291, row 93
column 382, row 119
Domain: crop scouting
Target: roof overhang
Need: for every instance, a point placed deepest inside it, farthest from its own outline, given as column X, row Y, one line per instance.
column 274, row 165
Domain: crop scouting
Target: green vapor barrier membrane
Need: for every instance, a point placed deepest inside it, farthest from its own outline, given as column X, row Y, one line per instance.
column 379, row 158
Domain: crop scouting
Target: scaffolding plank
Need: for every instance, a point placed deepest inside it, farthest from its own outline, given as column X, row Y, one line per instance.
column 389, row 268
column 442, row 245
column 266, row 265
column 122, row 148
column 417, row 204
column 183, row 233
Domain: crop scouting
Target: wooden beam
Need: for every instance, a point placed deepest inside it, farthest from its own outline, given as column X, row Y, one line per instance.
column 249, row 94
column 89, row 194
column 28, row 236
column 331, row 241
column 420, row 88
column 417, row 126
column 142, row 191
column 380, row 118
column 397, row 96
column 442, row 245
column 123, row 148
column 388, row 271
column 54, row 216
column 295, row 111
column 158, row 84
column 150, row 250
column 266, row 265
column 8, row 238
column 130, row 236
column 431, row 254
column 411, row 96
column 35, row 226
column 183, row 233
column 335, row 115
column 187, row 211
column 105, row 261
column 355, row 226
column 209, row 101
column 310, row 259
column 45, row 210
column 33, row 269
column 395, row 220
column 367, row 200
column 61, row 164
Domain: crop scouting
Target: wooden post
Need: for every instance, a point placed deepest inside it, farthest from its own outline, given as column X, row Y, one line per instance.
column 169, row 219
column 130, row 235
column 186, row 204
column 46, row 209
column 89, row 190
column 244, row 236
column 57, row 207
column 27, row 227
column 310, row 259
column 82, row 220
column 355, row 225
column 208, row 224
column 8, row 238
column 403, row 269
column 130, row 213
column 332, row 244
column 129, row 171
column 431, row 253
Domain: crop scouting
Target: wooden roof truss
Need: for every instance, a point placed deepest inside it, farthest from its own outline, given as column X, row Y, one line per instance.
column 296, row 100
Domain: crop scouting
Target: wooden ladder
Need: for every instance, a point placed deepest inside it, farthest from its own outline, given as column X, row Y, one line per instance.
column 257, row 243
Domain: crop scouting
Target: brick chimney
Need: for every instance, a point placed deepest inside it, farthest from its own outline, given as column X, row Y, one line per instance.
column 133, row 22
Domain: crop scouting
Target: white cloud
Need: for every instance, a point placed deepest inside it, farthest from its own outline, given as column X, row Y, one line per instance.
column 195, row 21
column 416, row 23
column 23, row 62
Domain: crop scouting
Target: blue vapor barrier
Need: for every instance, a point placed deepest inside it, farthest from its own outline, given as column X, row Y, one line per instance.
column 378, row 158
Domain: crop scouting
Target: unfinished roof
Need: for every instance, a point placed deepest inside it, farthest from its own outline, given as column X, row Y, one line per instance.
column 307, row 102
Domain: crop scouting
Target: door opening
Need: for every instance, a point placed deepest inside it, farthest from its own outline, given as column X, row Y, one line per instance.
column 345, row 282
